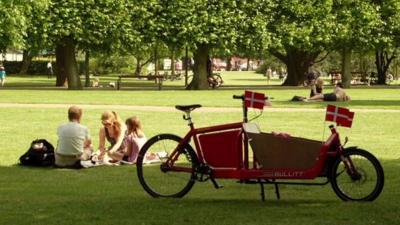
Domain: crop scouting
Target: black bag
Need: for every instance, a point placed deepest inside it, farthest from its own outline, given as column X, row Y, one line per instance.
column 40, row 153
column 297, row 99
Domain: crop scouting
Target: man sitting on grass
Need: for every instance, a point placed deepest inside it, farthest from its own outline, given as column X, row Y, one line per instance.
column 74, row 142
column 338, row 94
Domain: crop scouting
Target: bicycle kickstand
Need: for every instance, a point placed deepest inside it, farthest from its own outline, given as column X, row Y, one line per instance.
column 216, row 185
column 278, row 195
column 262, row 190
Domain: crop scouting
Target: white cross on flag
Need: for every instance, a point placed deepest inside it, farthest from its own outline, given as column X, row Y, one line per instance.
column 254, row 100
column 342, row 116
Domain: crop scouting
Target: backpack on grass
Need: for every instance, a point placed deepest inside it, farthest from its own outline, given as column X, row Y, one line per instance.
column 40, row 153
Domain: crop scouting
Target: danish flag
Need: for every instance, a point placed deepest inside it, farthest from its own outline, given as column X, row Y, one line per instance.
column 254, row 100
column 342, row 116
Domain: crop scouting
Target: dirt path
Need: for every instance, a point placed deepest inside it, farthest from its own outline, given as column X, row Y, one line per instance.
column 172, row 109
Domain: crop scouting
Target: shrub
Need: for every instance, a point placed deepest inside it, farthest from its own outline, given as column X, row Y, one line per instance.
column 113, row 64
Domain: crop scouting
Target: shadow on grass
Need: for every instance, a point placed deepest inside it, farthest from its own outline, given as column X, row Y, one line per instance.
column 375, row 103
column 354, row 103
column 113, row 195
column 250, row 80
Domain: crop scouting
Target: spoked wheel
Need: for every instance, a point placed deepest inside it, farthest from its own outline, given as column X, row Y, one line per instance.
column 215, row 81
column 366, row 181
column 159, row 179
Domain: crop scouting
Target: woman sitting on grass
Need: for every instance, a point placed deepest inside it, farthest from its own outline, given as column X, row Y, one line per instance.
column 113, row 131
column 317, row 86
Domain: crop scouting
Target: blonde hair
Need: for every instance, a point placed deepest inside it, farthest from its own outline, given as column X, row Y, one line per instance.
column 113, row 118
column 135, row 126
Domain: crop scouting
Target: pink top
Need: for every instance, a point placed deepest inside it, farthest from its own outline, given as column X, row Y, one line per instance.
column 136, row 143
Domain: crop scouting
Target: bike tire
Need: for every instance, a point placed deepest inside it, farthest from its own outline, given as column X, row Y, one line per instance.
column 159, row 183
column 218, row 80
column 370, row 172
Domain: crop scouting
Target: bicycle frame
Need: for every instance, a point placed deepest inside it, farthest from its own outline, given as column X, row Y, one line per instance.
column 241, row 169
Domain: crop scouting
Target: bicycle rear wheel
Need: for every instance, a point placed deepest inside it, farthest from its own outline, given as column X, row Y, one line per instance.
column 365, row 185
column 158, row 179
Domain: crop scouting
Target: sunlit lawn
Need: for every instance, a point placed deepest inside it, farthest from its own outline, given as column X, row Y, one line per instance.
column 146, row 93
column 112, row 195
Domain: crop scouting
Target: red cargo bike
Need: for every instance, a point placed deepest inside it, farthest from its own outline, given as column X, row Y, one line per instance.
column 222, row 152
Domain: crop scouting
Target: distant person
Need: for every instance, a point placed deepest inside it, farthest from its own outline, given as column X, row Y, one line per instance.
column 2, row 75
column 96, row 82
column 178, row 65
column 283, row 72
column 336, row 77
column 74, row 142
column 135, row 139
column 338, row 94
column 113, row 130
column 317, row 86
column 389, row 78
column 274, row 73
column 49, row 70
column 268, row 74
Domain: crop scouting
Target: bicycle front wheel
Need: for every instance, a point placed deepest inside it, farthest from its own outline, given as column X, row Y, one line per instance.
column 367, row 182
column 156, row 177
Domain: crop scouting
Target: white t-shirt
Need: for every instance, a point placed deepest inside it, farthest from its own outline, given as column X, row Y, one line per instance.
column 71, row 137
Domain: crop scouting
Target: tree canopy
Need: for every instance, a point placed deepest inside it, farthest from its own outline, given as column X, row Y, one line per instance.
column 294, row 31
column 13, row 23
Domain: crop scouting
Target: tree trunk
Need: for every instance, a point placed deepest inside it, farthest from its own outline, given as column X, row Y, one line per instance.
column 173, row 62
column 26, row 61
column 346, row 67
column 156, row 60
column 87, row 76
column 382, row 61
column 297, row 63
column 61, row 76
column 138, row 69
column 229, row 63
column 186, row 66
column 66, row 63
column 248, row 64
column 199, row 81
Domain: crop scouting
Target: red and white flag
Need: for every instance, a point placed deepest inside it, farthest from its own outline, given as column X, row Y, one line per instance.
column 254, row 100
column 342, row 116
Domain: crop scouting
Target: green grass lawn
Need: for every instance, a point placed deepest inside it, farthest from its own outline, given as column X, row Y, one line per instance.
column 113, row 195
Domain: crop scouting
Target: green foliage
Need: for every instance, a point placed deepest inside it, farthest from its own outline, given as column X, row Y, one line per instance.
column 91, row 24
column 355, row 24
column 12, row 24
column 36, row 35
column 307, row 25
column 386, row 36
column 253, row 37
column 113, row 64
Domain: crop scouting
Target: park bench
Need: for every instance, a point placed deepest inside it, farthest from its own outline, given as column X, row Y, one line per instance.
column 158, row 79
column 336, row 76
column 359, row 78
column 176, row 76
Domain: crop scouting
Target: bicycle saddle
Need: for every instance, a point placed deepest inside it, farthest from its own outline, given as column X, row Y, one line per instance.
column 187, row 108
